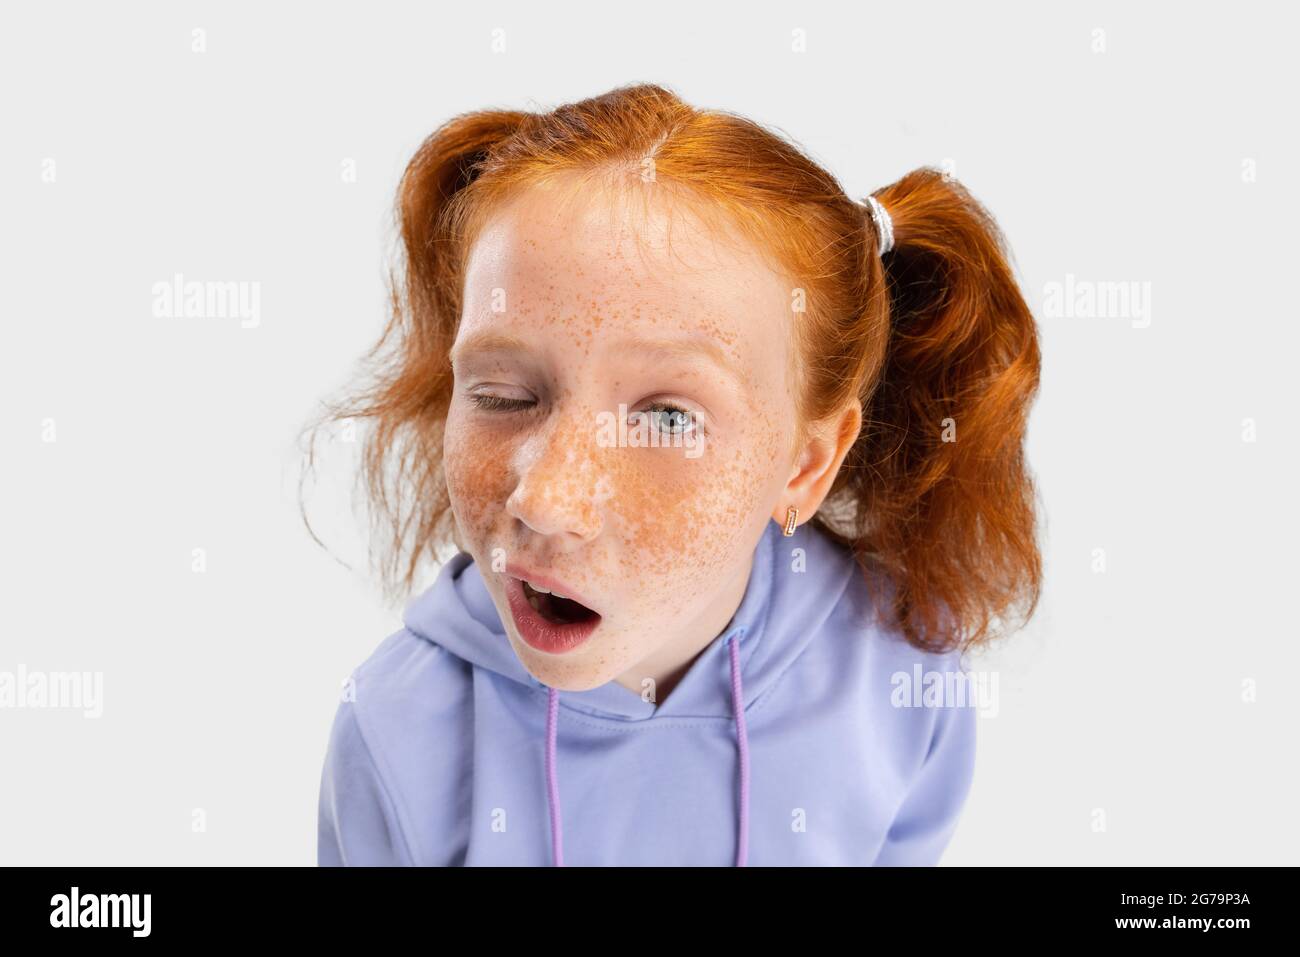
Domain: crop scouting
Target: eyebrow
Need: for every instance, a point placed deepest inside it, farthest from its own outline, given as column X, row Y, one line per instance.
column 691, row 347
column 487, row 342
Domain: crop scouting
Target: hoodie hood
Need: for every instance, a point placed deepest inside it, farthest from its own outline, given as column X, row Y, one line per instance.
column 732, row 672
column 445, row 751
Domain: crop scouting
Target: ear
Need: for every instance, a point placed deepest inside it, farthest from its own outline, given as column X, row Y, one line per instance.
column 818, row 462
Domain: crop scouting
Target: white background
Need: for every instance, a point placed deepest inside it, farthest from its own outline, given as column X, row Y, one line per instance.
column 1125, row 696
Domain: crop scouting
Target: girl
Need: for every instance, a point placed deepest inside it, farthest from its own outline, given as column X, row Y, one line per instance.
column 730, row 460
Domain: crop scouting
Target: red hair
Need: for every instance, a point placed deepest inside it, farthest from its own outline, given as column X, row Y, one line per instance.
column 933, row 338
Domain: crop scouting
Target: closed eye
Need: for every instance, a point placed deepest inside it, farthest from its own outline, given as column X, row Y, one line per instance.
column 497, row 403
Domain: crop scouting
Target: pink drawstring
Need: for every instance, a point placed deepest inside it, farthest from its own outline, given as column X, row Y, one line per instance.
column 742, row 741
column 552, row 785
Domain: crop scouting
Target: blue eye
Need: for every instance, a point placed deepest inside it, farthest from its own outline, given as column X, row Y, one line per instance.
column 672, row 419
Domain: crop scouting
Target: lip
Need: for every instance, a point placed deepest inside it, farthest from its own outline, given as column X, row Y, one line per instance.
column 550, row 584
column 536, row 631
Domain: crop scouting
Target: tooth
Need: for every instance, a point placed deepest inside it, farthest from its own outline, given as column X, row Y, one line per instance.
column 538, row 588
column 533, row 600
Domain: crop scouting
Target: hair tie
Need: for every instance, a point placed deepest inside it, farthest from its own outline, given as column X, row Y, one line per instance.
column 884, row 225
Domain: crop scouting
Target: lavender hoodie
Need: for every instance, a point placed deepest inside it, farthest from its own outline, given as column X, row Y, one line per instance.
column 449, row 752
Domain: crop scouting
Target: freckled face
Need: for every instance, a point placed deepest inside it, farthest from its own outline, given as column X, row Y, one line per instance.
column 610, row 312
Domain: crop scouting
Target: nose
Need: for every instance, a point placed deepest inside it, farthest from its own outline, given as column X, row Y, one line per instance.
column 562, row 483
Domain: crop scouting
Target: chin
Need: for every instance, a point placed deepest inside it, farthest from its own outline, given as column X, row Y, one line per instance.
column 560, row 674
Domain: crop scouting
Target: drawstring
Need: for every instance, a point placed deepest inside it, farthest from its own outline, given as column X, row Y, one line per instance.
column 742, row 743
column 552, row 785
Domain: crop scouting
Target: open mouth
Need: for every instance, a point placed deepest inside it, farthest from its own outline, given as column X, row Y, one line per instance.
column 548, row 621
column 555, row 609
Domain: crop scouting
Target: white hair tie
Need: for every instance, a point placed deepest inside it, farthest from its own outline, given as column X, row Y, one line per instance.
column 884, row 225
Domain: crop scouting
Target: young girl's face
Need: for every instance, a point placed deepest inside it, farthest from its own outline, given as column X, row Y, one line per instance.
column 578, row 316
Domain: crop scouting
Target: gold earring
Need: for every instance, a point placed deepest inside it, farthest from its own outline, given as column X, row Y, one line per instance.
column 791, row 514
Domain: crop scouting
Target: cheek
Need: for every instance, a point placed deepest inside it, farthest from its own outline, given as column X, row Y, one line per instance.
column 685, row 519
column 472, row 467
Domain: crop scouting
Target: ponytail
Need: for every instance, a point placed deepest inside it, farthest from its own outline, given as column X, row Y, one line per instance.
column 945, row 502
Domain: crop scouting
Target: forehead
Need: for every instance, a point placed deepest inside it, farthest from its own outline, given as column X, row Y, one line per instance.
column 639, row 261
